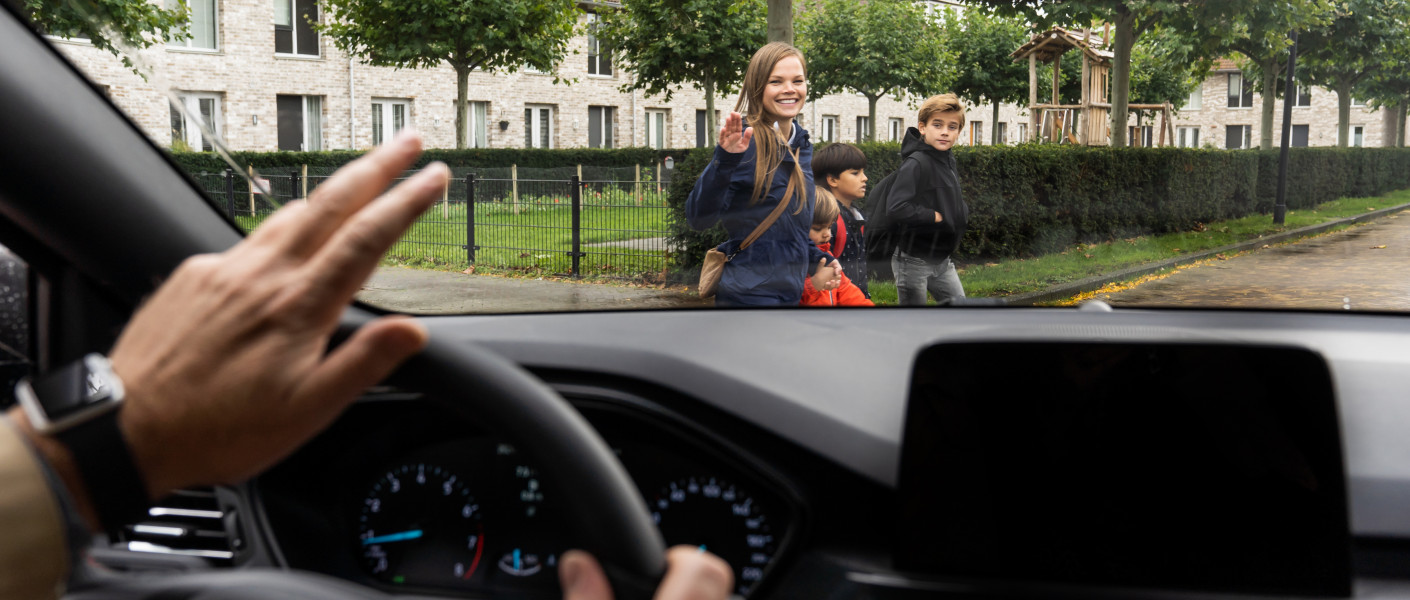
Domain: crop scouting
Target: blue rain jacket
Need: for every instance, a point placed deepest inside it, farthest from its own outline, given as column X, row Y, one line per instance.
column 771, row 271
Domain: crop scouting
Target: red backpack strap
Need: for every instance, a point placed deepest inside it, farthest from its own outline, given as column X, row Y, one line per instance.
column 840, row 240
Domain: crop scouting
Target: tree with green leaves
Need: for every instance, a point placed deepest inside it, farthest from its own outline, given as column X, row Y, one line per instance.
column 503, row 36
column 1130, row 19
column 134, row 23
column 877, row 48
column 1260, row 36
column 1355, row 47
column 984, row 69
column 667, row 44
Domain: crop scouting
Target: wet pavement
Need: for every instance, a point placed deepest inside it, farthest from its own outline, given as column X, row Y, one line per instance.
column 421, row 291
column 1363, row 268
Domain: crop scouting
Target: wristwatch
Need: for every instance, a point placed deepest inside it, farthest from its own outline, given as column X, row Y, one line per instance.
column 78, row 405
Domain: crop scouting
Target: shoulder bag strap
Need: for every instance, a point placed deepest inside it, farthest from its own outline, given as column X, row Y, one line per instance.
column 768, row 221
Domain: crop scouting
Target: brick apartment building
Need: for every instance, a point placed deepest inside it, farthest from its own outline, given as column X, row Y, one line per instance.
column 268, row 81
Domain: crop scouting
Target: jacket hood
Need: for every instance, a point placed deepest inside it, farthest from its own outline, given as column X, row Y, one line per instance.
column 914, row 143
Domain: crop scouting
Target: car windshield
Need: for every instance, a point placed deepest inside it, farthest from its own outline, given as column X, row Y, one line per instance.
column 623, row 154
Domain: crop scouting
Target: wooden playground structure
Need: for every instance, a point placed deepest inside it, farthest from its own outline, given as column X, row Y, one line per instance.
column 1087, row 123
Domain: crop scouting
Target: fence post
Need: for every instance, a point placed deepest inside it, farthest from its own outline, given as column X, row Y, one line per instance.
column 230, row 193
column 658, row 177
column 637, row 189
column 251, row 169
column 470, row 217
column 577, row 195
column 294, row 185
column 303, row 177
column 514, row 185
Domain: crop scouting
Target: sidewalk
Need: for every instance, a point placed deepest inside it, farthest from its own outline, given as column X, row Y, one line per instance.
column 427, row 292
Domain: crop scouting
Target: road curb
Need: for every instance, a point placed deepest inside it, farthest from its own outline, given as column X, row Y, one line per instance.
column 1091, row 284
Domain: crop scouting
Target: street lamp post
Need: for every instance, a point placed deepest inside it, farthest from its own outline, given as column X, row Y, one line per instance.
column 1289, row 94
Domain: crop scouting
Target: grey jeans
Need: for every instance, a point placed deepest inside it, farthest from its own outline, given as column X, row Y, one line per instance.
column 915, row 276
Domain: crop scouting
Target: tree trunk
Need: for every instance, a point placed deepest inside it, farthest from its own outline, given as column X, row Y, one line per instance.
column 1121, row 75
column 781, row 21
column 710, row 125
column 462, row 85
column 1400, row 123
column 994, row 125
column 1343, row 115
column 1270, row 97
column 871, row 116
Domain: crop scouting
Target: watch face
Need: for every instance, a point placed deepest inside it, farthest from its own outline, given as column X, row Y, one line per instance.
column 72, row 394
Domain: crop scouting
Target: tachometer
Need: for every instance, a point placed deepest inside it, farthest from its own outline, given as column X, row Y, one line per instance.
column 721, row 518
column 420, row 525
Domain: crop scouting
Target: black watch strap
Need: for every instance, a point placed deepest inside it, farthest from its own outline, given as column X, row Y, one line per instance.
column 104, row 460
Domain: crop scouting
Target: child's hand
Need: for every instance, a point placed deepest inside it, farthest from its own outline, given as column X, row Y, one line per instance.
column 828, row 276
column 734, row 136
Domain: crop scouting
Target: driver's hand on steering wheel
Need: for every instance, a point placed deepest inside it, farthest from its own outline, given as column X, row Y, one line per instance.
column 690, row 575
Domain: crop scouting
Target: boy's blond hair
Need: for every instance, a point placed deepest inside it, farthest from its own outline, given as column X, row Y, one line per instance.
column 825, row 209
column 942, row 103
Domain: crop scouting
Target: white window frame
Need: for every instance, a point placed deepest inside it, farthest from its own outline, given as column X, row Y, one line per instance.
column 192, row 134
column 1243, row 83
column 897, row 128
column 477, row 123
column 313, row 105
column 186, row 42
column 1196, row 99
column 535, row 127
column 658, row 125
column 1297, row 102
column 1022, row 132
column 976, row 133
column 294, row 31
column 1247, row 137
column 1357, row 102
column 607, row 128
column 1184, row 139
column 1003, row 128
column 596, row 59
column 863, row 128
column 828, row 128
column 1357, row 135
column 388, row 111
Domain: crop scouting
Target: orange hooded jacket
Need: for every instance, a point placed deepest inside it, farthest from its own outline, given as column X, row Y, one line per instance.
column 847, row 294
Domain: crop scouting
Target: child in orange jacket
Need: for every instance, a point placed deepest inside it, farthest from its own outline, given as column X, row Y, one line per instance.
column 825, row 212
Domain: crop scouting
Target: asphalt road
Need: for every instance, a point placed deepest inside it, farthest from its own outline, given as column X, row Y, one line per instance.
column 1363, row 268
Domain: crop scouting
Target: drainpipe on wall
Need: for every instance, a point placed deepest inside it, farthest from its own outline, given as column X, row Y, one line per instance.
column 352, row 110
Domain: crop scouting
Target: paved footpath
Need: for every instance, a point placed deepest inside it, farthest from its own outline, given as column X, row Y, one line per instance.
column 422, row 291
column 1362, row 268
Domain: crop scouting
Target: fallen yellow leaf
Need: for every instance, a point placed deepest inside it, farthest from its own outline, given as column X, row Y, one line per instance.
column 1380, row 247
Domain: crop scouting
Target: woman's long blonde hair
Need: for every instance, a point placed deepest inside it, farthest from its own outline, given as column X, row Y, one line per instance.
column 767, row 140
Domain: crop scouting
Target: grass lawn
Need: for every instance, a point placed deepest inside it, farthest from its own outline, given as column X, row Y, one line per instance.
column 1020, row 275
column 534, row 235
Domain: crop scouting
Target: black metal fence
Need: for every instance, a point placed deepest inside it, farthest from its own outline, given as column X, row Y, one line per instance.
column 607, row 222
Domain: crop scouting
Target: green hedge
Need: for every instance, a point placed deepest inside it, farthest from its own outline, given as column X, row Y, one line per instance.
column 1033, row 199
column 326, row 162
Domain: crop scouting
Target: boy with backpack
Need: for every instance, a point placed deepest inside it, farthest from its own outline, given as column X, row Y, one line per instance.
column 923, row 212
column 840, row 168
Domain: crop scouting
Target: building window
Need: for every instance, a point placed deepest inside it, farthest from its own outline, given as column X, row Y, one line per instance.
column 1143, row 136
column 1304, row 96
column 201, row 31
column 1022, row 132
column 1299, row 136
column 388, row 117
column 538, row 126
column 702, row 129
column 1187, row 137
column 898, row 129
column 183, row 131
column 1240, row 91
column 1237, row 137
column 1358, row 136
column 1196, row 100
column 829, row 129
column 1002, row 129
column 477, row 126
column 1355, row 101
column 863, row 129
column 600, row 126
column 599, row 55
column 293, row 27
column 656, row 123
column 976, row 133
column 300, row 123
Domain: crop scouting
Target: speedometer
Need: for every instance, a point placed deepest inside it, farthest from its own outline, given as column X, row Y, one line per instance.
column 420, row 526
column 719, row 517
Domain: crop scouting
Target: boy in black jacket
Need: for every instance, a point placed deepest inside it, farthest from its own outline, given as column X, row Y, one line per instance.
column 925, row 207
column 840, row 168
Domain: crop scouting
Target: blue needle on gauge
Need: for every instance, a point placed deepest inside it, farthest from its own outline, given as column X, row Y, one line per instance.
column 393, row 537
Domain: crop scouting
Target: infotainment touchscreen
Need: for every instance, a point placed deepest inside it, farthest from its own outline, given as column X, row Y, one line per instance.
column 1208, row 467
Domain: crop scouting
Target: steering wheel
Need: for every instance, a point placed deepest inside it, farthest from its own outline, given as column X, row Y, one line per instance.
column 607, row 510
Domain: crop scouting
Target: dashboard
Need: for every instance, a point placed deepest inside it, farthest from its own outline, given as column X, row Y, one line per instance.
column 417, row 499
